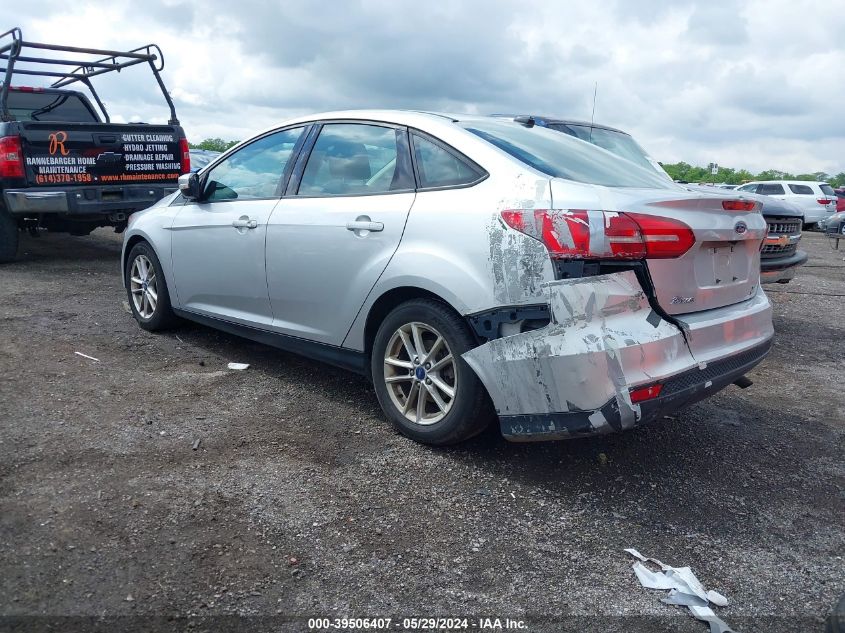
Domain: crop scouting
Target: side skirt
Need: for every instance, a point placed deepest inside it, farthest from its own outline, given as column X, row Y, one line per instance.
column 348, row 359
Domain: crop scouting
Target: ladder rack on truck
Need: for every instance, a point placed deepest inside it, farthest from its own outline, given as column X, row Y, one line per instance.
column 13, row 53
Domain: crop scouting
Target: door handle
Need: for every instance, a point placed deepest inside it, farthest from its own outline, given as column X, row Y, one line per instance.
column 361, row 225
column 245, row 223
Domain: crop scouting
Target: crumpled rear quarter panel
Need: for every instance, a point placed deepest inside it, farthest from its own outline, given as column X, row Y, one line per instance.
column 603, row 337
column 572, row 377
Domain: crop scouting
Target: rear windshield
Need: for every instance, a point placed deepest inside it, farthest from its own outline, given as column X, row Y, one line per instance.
column 562, row 156
column 618, row 143
column 827, row 190
column 49, row 106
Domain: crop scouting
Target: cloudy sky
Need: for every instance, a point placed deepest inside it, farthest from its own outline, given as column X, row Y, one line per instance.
column 752, row 84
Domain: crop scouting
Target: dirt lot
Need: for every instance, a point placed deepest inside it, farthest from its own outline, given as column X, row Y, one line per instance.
column 300, row 500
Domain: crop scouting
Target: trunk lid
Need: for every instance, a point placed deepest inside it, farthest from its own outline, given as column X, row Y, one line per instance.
column 723, row 265
column 62, row 153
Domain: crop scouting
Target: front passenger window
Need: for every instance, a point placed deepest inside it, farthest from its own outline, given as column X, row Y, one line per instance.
column 255, row 171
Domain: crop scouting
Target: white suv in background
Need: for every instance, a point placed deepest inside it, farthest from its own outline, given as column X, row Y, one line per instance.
column 816, row 199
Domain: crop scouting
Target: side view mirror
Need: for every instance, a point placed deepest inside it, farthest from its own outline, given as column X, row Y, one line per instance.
column 189, row 186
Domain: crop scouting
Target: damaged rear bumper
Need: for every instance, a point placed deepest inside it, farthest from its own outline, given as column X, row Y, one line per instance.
column 573, row 377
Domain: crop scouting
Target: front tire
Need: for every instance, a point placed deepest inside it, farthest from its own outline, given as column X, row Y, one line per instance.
column 146, row 288
column 8, row 238
column 423, row 384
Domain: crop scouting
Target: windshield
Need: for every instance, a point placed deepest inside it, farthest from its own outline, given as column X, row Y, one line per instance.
column 49, row 106
column 618, row 143
column 563, row 156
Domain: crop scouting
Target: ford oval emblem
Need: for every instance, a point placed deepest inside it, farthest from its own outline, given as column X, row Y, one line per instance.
column 740, row 227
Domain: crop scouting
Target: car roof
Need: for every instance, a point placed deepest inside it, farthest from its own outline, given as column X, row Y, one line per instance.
column 398, row 117
column 784, row 182
column 544, row 120
column 428, row 121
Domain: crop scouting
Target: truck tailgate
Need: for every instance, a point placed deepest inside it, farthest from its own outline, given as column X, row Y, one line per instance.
column 59, row 153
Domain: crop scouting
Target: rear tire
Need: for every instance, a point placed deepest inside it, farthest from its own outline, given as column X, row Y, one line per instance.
column 423, row 384
column 146, row 288
column 8, row 238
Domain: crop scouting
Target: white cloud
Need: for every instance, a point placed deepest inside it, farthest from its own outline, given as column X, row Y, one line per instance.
column 751, row 85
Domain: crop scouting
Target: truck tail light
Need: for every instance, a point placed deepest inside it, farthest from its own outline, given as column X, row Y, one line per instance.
column 11, row 157
column 185, row 156
column 823, row 201
column 583, row 234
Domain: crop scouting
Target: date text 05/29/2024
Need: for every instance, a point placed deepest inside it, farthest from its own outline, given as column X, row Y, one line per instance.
column 416, row 624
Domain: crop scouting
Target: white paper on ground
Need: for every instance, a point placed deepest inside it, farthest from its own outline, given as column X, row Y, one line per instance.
column 683, row 576
column 678, row 598
column 685, row 590
column 238, row 366
column 651, row 579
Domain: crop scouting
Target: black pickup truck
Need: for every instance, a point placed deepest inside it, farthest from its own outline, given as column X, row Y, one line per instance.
column 64, row 166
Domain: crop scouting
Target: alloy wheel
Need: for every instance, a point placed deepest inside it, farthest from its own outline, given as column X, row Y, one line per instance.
column 143, row 286
column 420, row 373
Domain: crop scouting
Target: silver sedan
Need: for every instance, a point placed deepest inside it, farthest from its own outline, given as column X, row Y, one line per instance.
column 473, row 268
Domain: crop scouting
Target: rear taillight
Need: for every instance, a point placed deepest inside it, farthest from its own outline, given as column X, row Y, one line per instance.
column 738, row 205
column 823, row 201
column 583, row 234
column 185, row 153
column 11, row 157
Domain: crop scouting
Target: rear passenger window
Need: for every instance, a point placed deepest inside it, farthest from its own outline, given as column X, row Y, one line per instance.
column 771, row 190
column 750, row 188
column 438, row 167
column 354, row 159
column 803, row 190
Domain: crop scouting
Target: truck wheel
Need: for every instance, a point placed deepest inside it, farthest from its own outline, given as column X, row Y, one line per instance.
column 8, row 238
column 146, row 287
column 423, row 384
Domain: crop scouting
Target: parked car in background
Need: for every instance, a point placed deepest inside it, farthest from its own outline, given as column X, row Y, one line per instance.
column 840, row 198
column 816, row 199
column 780, row 257
column 445, row 257
column 615, row 141
column 202, row 157
column 835, row 224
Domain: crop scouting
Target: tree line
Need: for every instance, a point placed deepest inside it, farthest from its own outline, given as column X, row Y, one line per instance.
column 213, row 144
column 678, row 171
column 692, row 173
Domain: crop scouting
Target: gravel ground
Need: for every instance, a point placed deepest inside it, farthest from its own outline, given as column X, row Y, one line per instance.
column 300, row 500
